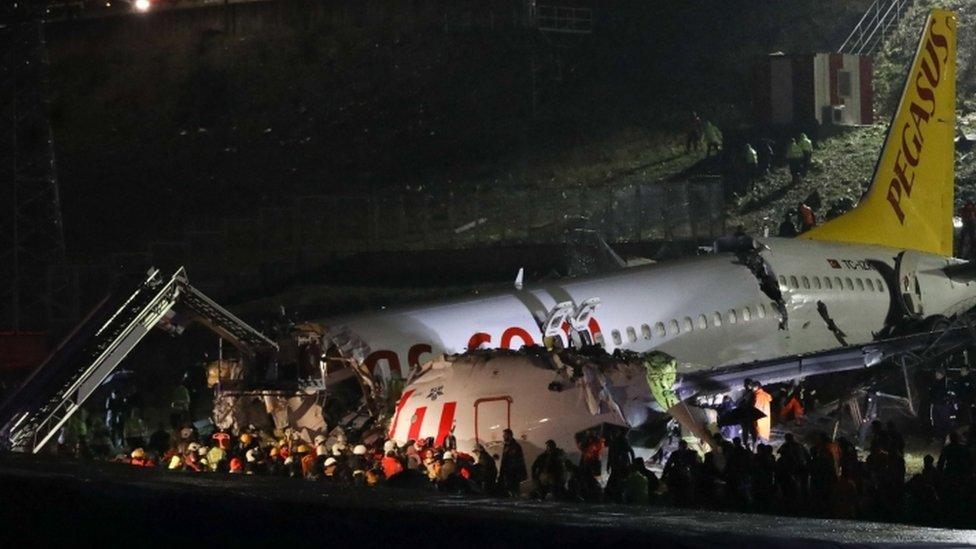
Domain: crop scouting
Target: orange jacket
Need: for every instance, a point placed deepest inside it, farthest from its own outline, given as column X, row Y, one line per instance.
column 763, row 402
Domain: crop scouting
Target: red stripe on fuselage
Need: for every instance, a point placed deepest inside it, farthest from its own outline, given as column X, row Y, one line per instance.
column 416, row 421
column 447, row 421
column 396, row 416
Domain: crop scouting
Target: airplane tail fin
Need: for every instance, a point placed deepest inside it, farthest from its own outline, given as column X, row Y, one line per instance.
column 910, row 202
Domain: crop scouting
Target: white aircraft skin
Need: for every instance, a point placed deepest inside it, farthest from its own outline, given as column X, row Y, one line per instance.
column 842, row 284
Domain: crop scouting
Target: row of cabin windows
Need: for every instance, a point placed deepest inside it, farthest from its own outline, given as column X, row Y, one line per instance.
column 827, row 283
column 687, row 324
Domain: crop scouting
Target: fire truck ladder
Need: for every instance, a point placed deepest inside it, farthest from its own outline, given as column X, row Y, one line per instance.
column 41, row 406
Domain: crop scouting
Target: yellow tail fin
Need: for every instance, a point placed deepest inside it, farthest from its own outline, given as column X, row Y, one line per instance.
column 910, row 202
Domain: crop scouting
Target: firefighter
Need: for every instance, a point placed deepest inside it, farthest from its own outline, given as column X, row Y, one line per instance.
column 180, row 406
column 787, row 229
column 792, row 403
column 135, row 430
column 762, row 402
column 750, row 167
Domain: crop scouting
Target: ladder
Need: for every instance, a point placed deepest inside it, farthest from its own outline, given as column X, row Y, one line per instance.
column 38, row 409
column 881, row 17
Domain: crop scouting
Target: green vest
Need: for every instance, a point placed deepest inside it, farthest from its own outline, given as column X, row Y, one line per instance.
column 793, row 151
column 662, row 372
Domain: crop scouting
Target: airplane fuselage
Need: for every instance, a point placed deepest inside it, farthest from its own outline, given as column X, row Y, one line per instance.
column 707, row 311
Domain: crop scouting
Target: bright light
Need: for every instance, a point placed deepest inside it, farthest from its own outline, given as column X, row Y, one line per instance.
column 142, row 5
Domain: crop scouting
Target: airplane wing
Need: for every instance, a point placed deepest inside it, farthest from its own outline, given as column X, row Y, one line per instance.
column 917, row 348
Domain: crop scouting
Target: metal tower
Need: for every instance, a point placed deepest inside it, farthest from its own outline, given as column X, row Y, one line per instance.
column 31, row 234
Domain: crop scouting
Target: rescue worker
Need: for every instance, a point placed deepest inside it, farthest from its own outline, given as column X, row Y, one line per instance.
column 512, row 471
column 549, row 472
column 115, row 406
column 140, row 459
column 391, row 464
column 636, row 490
column 806, row 149
column 792, row 403
column 726, row 407
column 179, row 405
column 135, row 430
column 620, row 457
column 750, row 168
column 357, row 463
column 485, row 470
column 680, row 473
column 762, row 402
column 794, row 157
column 787, row 229
column 713, row 139
column 748, row 401
column 808, row 219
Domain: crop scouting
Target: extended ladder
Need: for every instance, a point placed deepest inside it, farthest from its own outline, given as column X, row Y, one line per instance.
column 38, row 409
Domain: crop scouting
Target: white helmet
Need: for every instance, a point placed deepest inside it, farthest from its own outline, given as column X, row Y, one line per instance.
column 329, row 462
column 448, row 455
column 338, row 448
column 251, row 455
column 319, row 439
column 389, row 446
column 193, row 447
column 202, row 451
column 321, row 450
column 359, row 450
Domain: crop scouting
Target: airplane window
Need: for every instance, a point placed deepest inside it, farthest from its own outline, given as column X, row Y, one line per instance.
column 838, row 283
column 761, row 310
column 631, row 334
column 732, row 317
column 746, row 314
column 616, row 337
column 860, row 284
column 880, row 285
column 659, row 328
column 806, row 283
column 645, row 331
column 673, row 327
column 849, row 283
column 827, row 283
column 688, row 326
column 717, row 319
column 702, row 322
column 870, row 284
column 816, row 283
column 782, row 282
column 599, row 339
column 793, row 283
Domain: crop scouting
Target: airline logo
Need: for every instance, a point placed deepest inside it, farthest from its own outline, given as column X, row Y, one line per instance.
column 926, row 95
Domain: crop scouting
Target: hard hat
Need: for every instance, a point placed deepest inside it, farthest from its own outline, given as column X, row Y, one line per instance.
column 251, row 455
column 289, row 460
column 329, row 462
column 246, row 438
column 193, row 447
column 321, row 450
column 319, row 439
column 236, row 465
column 302, row 449
column 174, row 462
column 338, row 448
column 448, row 455
column 389, row 446
column 359, row 450
column 202, row 451
column 138, row 453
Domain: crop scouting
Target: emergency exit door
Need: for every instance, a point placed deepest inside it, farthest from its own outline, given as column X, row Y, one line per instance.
column 492, row 415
